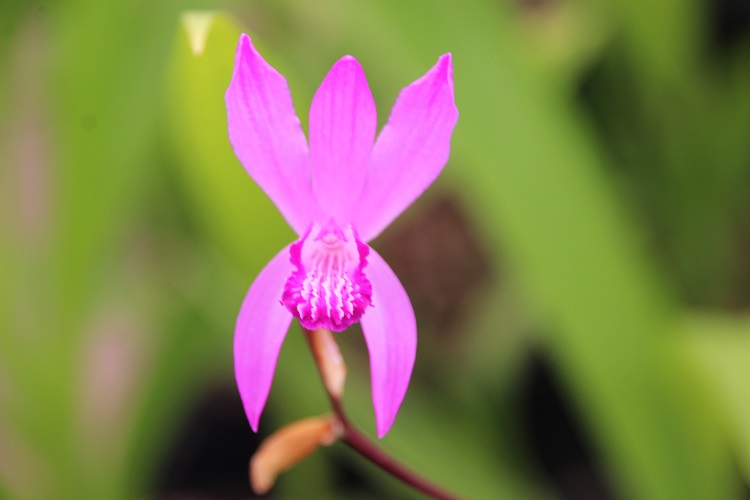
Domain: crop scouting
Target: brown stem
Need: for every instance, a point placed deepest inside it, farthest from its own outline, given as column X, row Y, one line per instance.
column 365, row 447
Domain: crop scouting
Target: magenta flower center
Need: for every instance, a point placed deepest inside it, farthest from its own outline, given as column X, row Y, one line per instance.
column 328, row 288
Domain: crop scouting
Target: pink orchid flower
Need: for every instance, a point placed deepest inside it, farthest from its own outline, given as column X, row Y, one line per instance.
column 338, row 194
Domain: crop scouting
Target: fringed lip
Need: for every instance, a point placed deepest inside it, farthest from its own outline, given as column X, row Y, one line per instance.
column 328, row 287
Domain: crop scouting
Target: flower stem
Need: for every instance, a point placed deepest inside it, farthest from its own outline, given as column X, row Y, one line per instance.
column 359, row 442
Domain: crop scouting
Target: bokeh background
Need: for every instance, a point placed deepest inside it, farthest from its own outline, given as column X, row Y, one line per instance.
column 580, row 272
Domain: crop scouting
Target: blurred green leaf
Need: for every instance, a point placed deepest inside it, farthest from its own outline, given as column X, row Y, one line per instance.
column 722, row 344
column 99, row 122
column 107, row 102
column 238, row 215
column 683, row 146
column 664, row 37
column 546, row 198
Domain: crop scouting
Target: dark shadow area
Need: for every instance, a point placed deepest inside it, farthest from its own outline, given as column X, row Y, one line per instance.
column 555, row 436
column 210, row 456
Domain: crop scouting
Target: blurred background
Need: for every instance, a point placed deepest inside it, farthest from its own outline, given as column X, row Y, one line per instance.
column 580, row 272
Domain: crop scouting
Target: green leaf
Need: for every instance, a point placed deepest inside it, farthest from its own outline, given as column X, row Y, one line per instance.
column 238, row 216
column 723, row 346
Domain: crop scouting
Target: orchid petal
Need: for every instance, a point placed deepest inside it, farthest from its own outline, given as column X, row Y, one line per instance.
column 343, row 120
column 390, row 331
column 261, row 327
column 410, row 151
column 267, row 137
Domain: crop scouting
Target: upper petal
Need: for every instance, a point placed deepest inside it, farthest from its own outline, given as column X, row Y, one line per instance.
column 266, row 135
column 260, row 331
column 390, row 331
column 343, row 121
column 410, row 151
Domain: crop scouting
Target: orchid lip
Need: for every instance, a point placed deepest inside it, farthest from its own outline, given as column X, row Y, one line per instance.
column 328, row 287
